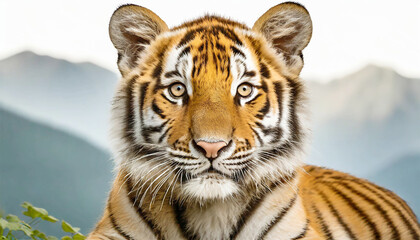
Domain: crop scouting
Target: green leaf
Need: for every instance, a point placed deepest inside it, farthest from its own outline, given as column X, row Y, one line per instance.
column 68, row 228
column 52, row 238
column 26, row 205
column 49, row 218
column 13, row 223
column 66, row 238
column 13, row 218
column 35, row 212
column 39, row 234
column 79, row 236
column 3, row 223
column 13, row 226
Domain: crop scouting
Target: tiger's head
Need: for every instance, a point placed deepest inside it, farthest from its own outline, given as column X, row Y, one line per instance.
column 210, row 108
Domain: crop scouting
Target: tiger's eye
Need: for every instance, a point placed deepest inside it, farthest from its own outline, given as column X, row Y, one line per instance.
column 245, row 89
column 177, row 89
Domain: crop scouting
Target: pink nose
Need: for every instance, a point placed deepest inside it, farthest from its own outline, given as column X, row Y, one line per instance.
column 211, row 148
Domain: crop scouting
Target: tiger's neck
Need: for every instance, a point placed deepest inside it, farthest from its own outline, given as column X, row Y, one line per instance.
column 253, row 216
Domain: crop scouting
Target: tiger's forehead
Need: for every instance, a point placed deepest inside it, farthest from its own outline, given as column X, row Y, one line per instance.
column 210, row 53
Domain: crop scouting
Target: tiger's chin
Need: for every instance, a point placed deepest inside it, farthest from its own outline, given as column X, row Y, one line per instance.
column 210, row 186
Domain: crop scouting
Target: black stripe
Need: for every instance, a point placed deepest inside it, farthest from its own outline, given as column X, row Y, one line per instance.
column 264, row 70
column 194, row 69
column 311, row 169
column 279, row 93
column 238, row 157
column 274, row 132
column 254, row 204
column 295, row 92
column 296, row 134
column 236, row 51
column 278, row 218
column 264, row 110
column 179, row 211
column 164, row 134
column 200, row 66
column 189, row 36
column 184, row 52
column 167, row 99
column 220, row 47
column 368, row 187
column 201, row 47
column 143, row 92
column 401, row 215
column 303, row 233
column 384, row 214
column 119, row 58
column 264, row 86
column 129, row 110
column 181, row 156
column 257, row 134
column 249, row 74
column 216, row 65
column 337, row 215
column 229, row 33
column 147, row 131
column 324, row 227
column 157, row 71
column 352, row 204
column 172, row 74
column 156, row 128
column 227, row 69
column 115, row 224
column 389, row 193
column 140, row 212
column 157, row 110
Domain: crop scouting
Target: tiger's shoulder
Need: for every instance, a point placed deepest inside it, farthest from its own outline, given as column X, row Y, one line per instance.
column 341, row 205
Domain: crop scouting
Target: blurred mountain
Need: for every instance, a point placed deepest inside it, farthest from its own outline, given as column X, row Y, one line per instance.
column 402, row 177
column 51, row 169
column 73, row 96
column 364, row 120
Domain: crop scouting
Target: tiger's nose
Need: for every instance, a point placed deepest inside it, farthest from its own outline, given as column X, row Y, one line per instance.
column 211, row 148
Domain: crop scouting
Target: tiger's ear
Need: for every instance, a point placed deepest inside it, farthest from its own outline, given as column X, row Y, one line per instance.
column 288, row 27
column 132, row 28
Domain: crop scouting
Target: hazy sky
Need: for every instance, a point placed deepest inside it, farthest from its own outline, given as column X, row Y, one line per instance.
column 347, row 34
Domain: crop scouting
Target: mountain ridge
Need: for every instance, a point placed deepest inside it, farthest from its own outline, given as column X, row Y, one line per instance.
column 74, row 96
column 380, row 92
column 363, row 119
column 51, row 169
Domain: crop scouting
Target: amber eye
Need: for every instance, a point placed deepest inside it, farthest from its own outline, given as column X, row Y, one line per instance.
column 177, row 89
column 245, row 90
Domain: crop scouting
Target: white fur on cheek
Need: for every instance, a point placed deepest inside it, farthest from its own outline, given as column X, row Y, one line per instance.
column 209, row 186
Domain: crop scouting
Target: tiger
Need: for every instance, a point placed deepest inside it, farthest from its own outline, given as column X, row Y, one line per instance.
column 209, row 132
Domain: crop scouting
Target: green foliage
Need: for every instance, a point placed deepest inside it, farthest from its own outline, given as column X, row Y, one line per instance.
column 13, row 228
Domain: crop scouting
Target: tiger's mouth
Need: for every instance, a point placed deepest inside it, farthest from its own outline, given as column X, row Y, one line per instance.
column 213, row 173
column 210, row 185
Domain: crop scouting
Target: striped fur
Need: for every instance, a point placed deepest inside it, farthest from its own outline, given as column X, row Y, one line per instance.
column 257, row 187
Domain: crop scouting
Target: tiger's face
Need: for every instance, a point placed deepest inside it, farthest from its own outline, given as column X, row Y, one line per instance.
column 210, row 108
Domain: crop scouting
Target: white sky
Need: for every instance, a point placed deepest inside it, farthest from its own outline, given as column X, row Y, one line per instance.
column 347, row 34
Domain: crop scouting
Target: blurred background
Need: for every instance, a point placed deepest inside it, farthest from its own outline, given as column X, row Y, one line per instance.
column 58, row 73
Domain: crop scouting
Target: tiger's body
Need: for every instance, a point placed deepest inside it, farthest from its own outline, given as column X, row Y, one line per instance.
column 208, row 130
